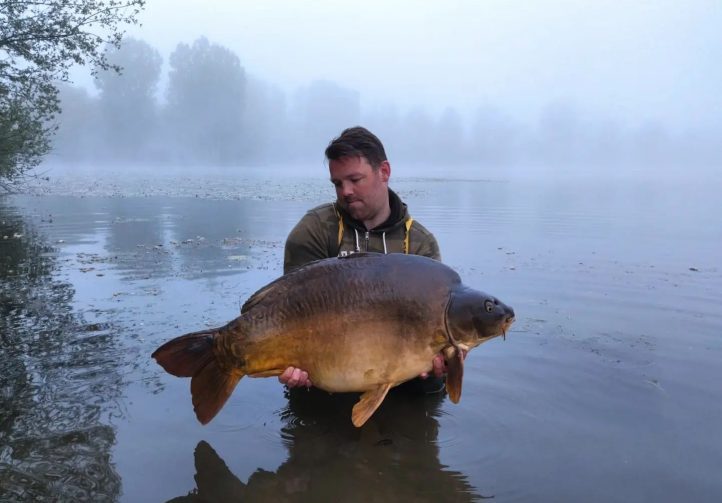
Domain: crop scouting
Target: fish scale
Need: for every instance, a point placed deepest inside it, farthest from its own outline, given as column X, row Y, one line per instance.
column 361, row 323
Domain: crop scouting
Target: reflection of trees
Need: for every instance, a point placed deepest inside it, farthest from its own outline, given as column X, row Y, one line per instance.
column 221, row 237
column 137, row 228
column 394, row 457
column 56, row 380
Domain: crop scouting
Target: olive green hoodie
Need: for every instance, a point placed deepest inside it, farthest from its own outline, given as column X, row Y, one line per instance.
column 328, row 231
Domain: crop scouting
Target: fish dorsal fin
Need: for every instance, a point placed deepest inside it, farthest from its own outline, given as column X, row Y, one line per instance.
column 256, row 298
column 263, row 292
column 368, row 403
column 454, row 374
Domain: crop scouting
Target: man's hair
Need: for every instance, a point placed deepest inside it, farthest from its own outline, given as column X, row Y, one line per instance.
column 357, row 142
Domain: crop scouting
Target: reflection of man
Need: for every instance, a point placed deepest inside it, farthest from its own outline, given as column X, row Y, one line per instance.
column 395, row 457
column 367, row 216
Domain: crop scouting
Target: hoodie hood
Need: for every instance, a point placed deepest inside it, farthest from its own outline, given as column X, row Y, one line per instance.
column 399, row 215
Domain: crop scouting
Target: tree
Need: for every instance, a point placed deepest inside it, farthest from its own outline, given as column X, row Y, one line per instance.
column 416, row 142
column 206, row 94
column 127, row 100
column 265, row 122
column 39, row 41
column 449, row 141
column 77, row 137
column 23, row 134
column 323, row 110
column 495, row 137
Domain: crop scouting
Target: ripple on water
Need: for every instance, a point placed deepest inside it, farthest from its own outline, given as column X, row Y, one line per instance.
column 58, row 379
column 239, row 414
column 451, row 432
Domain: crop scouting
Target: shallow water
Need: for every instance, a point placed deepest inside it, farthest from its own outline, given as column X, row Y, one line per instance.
column 606, row 389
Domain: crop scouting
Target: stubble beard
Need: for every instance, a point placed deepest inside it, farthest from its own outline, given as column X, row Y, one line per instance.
column 356, row 212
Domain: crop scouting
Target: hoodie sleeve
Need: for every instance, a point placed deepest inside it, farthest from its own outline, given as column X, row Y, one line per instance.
column 423, row 242
column 307, row 241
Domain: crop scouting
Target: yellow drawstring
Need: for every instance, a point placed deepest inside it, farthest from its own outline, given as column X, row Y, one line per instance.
column 406, row 239
column 340, row 226
column 408, row 223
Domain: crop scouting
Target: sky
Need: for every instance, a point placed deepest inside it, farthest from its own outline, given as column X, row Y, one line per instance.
column 630, row 62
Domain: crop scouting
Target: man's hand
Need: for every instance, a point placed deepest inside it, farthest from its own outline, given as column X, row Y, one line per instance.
column 438, row 367
column 295, row 378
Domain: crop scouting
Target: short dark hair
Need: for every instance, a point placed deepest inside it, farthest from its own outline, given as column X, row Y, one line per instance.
column 357, row 142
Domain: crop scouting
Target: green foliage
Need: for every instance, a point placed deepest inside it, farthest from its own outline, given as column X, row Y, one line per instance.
column 23, row 134
column 39, row 42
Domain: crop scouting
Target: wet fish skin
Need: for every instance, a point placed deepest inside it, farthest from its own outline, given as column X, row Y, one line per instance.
column 364, row 323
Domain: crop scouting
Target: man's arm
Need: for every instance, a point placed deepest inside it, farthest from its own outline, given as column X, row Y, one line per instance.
column 423, row 243
column 306, row 242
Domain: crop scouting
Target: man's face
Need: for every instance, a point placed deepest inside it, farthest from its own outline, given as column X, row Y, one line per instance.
column 360, row 190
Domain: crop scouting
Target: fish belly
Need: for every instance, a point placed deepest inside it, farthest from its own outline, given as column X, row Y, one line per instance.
column 353, row 342
column 362, row 359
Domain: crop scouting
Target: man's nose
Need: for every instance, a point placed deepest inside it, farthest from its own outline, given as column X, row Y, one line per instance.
column 346, row 189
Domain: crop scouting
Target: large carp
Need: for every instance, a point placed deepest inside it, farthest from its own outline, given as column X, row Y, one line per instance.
column 365, row 322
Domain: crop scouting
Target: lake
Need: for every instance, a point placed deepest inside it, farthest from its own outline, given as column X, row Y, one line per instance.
column 607, row 387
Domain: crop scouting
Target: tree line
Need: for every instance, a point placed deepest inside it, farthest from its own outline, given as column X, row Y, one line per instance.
column 211, row 111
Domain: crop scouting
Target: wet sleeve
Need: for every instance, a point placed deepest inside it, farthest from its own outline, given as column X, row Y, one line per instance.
column 307, row 241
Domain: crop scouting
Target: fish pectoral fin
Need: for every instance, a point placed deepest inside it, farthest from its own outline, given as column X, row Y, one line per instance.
column 455, row 375
column 368, row 403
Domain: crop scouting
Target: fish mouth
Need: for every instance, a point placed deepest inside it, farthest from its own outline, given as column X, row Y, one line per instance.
column 505, row 326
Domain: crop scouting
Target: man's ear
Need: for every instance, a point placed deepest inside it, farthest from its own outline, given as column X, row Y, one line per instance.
column 385, row 169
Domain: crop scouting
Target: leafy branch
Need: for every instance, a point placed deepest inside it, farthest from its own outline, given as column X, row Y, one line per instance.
column 39, row 42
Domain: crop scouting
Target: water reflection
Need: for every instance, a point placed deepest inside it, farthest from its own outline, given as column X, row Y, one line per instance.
column 57, row 379
column 608, row 384
column 394, row 457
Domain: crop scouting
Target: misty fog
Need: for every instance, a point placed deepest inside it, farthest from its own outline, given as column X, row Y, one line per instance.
column 500, row 89
column 564, row 154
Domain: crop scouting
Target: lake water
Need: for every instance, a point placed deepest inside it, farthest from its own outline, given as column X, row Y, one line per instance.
column 608, row 387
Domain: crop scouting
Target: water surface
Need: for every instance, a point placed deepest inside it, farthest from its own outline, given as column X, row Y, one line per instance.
column 605, row 390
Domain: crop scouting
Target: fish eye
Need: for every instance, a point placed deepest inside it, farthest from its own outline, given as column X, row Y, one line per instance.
column 489, row 305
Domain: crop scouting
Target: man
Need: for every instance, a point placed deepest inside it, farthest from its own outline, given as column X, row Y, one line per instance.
column 367, row 216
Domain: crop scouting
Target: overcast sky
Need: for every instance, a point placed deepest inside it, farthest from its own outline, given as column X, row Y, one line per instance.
column 628, row 61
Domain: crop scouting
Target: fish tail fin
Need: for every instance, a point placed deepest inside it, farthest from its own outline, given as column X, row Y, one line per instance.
column 192, row 355
column 186, row 355
column 210, row 389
